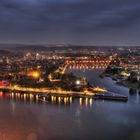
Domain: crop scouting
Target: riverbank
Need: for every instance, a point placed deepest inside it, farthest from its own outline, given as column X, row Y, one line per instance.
column 120, row 80
column 95, row 93
column 129, row 84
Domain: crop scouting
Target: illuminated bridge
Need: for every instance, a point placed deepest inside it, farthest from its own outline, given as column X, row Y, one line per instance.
column 83, row 63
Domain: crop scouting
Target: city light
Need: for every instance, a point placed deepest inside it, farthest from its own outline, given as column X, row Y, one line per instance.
column 69, row 69
column 34, row 74
column 78, row 82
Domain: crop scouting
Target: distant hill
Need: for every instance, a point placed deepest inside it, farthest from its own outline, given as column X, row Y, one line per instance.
column 5, row 52
column 18, row 47
column 30, row 48
column 24, row 47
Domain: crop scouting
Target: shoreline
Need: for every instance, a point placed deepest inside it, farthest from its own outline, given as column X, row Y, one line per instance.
column 128, row 84
column 46, row 94
column 121, row 82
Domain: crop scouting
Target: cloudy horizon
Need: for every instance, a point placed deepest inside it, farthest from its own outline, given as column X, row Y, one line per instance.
column 108, row 22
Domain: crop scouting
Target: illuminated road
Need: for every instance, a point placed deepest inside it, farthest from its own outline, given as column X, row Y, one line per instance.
column 58, row 70
column 46, row 90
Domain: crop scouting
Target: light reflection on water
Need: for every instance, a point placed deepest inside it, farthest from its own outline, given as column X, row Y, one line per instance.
column 53, row 100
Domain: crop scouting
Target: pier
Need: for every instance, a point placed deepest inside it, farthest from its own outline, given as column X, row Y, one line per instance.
column 111, row 96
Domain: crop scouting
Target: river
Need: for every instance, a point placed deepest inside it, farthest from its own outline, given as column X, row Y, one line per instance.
column 97, row 120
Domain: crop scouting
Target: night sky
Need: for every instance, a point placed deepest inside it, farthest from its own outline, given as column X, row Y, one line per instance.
column 92, row 22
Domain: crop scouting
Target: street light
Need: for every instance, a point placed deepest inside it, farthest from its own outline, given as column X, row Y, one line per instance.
column 78, row 82
column 34, row 74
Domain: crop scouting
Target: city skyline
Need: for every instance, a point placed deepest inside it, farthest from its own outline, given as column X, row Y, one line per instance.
column 77, row 22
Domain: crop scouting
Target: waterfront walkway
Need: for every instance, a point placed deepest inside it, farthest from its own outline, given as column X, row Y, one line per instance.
column 44, row 93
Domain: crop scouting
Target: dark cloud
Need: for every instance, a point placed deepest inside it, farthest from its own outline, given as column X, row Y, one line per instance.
column 69, row 20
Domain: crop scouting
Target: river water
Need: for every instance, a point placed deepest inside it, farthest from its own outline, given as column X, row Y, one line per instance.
column 97, row 120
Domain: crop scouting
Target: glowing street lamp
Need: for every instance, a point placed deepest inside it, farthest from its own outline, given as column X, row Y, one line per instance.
column 34, row 74
column 78, row 82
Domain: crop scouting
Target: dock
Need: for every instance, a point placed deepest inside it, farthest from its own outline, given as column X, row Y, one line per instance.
column 110, row 96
